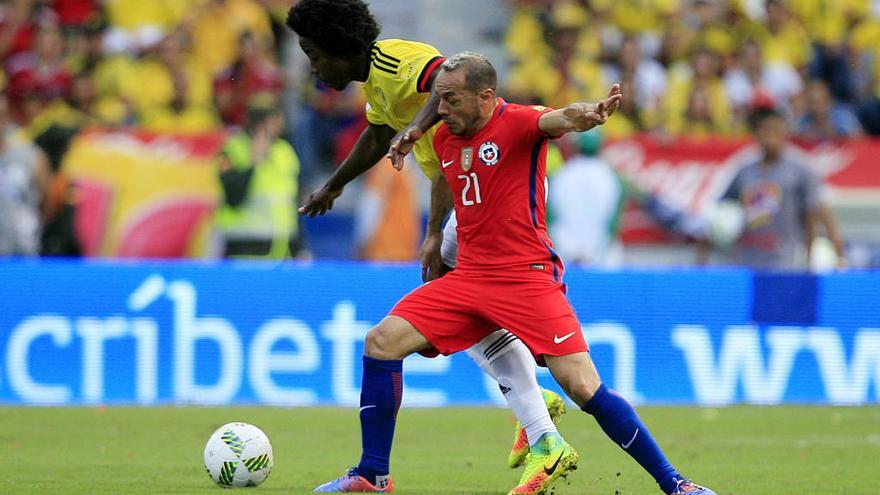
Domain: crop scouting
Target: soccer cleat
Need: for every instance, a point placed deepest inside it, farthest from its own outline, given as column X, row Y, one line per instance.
column 351, row 482
column 542, row 469
column 519, row 451
column 688, row 487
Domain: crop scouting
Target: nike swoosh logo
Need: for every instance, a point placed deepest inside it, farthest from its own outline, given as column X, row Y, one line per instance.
column 631, row 440
column 551, row 469
column 365, row 407
column 558, row 340
column 446, row 164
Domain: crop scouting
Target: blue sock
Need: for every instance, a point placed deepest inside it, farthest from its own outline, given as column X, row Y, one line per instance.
column 381, row 392
column 622, row 424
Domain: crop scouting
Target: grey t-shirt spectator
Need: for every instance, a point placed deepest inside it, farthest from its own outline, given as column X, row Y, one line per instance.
column 776, row 199
column 19, row 197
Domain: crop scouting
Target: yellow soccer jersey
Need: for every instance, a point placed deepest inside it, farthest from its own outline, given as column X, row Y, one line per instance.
column 397, row 87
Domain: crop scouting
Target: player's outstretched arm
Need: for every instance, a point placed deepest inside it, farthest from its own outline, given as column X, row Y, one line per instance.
column 402, row 144
column 369, row 149
column 579, row 117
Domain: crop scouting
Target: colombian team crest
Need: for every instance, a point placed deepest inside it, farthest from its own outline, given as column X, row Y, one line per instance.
column 467, row 158
column 489, row 153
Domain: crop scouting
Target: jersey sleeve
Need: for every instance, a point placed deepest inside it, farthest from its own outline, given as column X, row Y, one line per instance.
column 528, row 118
column 402, row 69
column 423, row 83
column 373, row 116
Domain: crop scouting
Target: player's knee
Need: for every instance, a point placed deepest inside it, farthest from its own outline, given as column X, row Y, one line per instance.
column 379, row 344
column 581, row 388
column 582, row 391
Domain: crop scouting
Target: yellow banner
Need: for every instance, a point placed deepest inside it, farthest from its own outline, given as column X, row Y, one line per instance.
column 144, row 195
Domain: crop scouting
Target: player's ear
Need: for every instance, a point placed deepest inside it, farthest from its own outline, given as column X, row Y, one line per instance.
column 487, row 94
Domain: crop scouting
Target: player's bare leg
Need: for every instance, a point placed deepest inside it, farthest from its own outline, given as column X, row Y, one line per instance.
column 577, row 375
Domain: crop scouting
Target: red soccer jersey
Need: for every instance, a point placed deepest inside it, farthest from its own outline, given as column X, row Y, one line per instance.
column 497, row 179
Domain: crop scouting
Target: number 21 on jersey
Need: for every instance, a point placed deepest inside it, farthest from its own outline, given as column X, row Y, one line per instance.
column 468, row 180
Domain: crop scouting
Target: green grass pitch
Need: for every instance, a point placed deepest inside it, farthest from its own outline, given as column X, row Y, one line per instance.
column 737, row 450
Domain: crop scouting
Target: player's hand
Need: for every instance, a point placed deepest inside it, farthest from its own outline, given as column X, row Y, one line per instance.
column 432, row 260
column 402, row 144
column 585, row 116
column 611, row 103
column 320, row 201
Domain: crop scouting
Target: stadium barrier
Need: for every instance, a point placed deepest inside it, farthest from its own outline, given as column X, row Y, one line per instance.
column 100, row 332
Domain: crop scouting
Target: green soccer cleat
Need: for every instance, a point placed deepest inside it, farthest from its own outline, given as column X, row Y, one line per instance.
column 551, row 458
column 519, row 451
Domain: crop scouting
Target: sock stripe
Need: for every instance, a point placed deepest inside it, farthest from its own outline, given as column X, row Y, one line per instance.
column 397, row 387
column 499, row 344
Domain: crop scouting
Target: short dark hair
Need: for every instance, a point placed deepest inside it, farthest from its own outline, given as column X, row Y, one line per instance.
column 762, row 113
column 338, row 27
column 479, row 73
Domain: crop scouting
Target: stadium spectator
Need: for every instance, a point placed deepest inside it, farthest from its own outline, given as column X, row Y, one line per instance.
column 38, row 76
column 705, row 24
column 782, row 38
column 136, row 25
column 752, row 83
column 18, row 27
column 253, row 73
column 259, row 173
column 585, row 203
column 76, row 14
column 782, row 201
column 216, row 28
column 562, row 73
column 172, row 90
column 24, row 177
column 830, row 23
column 824, row 119
column 643, row 80
column 696, row 104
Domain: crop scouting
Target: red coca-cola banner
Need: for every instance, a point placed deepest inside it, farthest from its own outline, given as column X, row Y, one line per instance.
column 691, row 174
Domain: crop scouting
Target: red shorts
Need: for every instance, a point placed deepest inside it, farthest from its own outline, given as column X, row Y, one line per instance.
column 459, row 309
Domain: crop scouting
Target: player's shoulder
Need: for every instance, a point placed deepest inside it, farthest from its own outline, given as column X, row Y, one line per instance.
column 518, row 109
column 398, row 50
column 402, row 64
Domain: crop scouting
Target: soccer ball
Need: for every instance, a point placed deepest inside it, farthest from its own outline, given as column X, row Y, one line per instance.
column 727, row 220
column 238, row 454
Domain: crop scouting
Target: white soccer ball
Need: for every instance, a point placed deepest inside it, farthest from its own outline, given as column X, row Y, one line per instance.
column 727, row 220
column 238, row 454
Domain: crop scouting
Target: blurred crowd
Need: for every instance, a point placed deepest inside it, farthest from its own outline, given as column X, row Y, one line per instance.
column 164, row 66
column 698, row 67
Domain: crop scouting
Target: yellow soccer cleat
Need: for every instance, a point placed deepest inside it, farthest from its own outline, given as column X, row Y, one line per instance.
column 551, row 459
column 519, row 451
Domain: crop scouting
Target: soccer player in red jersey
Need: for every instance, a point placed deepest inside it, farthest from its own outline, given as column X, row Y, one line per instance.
column 492, row 155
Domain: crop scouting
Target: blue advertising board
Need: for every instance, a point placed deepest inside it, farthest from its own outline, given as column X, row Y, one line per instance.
column 87, row 332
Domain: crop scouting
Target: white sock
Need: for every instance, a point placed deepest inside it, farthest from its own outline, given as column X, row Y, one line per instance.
column 506, row 359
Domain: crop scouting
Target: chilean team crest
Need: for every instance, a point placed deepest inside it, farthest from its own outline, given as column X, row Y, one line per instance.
column 467, row 158
column 489, row 153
